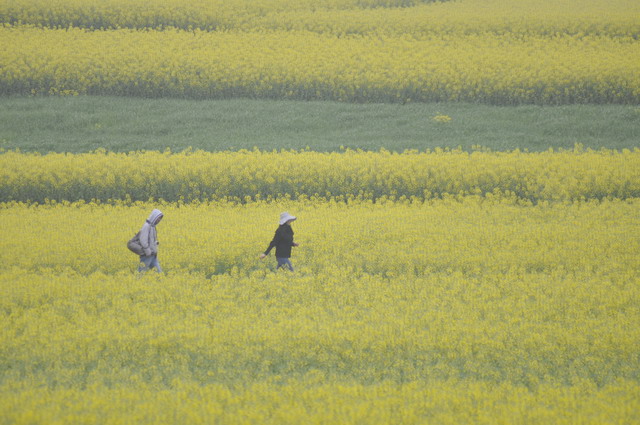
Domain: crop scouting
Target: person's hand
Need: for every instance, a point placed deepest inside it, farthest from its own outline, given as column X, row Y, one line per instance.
column 262, row 256
column 147, row 252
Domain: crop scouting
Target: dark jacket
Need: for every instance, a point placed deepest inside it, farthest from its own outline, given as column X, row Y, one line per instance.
column 283, row 241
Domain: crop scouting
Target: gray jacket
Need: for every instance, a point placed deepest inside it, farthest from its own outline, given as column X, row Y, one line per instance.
column 149, row 235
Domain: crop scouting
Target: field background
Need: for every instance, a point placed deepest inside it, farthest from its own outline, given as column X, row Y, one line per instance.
column 466, row 176
column 385, row 51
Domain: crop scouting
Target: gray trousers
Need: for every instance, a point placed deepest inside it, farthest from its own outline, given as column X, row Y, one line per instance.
column 147, row 263
column 284, row 262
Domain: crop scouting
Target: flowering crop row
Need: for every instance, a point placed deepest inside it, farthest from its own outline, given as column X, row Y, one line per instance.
column 470, row 311
column 418, row 18
column 497, row 51
column 471, row 236
column 315, row 401
column 251, row 175
column 504, row 69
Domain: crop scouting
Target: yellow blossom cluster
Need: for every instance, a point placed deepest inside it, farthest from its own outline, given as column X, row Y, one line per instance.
column 451, row 311
column 242, row 176
column 501, row 51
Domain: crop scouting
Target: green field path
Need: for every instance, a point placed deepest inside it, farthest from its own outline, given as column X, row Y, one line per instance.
column 87, row 123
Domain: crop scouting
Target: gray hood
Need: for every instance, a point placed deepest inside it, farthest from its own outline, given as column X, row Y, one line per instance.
column 154, row 217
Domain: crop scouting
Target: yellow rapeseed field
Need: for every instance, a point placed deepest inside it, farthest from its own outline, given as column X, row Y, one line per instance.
column 500, row 51
column 510, row 296
column 338, row 17
column 239, row 176
column 451, row 311
column 438, row 287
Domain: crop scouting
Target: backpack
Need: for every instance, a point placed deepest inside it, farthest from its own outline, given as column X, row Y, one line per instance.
column 134, row 245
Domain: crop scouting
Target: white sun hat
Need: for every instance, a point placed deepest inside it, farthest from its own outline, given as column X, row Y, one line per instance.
column 285, row 216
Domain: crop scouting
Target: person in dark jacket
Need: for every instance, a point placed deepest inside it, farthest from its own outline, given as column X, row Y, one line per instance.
column 283, row 241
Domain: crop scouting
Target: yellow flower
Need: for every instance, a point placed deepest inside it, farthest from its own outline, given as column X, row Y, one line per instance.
column 442, row 118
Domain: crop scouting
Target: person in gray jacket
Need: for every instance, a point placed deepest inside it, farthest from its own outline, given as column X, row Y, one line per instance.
column 149, row 242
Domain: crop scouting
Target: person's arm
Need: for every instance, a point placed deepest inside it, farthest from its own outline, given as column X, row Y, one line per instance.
column 144, row 239
column 274, row 242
